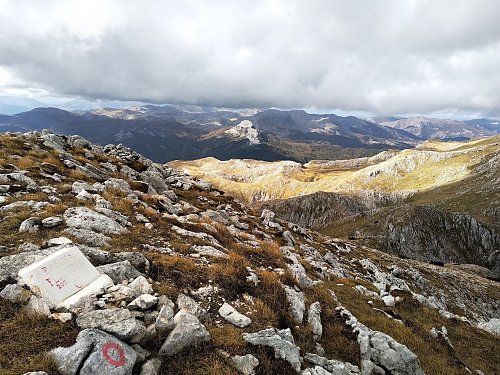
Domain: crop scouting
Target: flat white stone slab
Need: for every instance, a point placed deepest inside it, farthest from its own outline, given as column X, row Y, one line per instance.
column 59, row 275
column 76, row 302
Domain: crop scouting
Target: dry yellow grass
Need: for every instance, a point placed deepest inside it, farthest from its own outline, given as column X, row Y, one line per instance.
column 25, row 340
column 420, row 169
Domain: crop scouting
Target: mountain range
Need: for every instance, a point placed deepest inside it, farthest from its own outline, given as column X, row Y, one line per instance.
column 170, row 132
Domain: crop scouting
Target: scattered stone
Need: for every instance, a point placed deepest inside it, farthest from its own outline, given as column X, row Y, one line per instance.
column 380, row 353
column 140, row 285
column 122, row 293
column 79, row 186
column 95, row 352
column 492, row 326
column 165, row 318
column 281, row 341
column 38, row 306
column 288, row 237
column 30, row 225
column 59, row 241
column 296, row 303
column 332, row 366
column 188, row 331
column 63, row 317
column 245, row 364
column 209, row 251
column 151, row 367
column 119, row 271
column 189, row 305
column 85, row 218
column 314, row 320
column 116, row 321
column 51, row 222
column 15, row 293
column 234, row 317
column 143, row 302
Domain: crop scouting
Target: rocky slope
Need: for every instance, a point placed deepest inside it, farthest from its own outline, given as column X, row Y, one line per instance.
column 430, row 167
column 198, row 283
column 436, row 203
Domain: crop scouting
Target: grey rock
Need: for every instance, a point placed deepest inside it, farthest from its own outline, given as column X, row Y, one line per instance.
column 89, row 237
column 234, row 317
column 85, row 218
column 11, row 264
column 143, row 302
column 156, row 182
column 54, row 141
column 51, row 222
column 38, row 306
column 281, row 341
column 36, row 373
column 140, row 285
column 492, row 326
column 209, row 251
column 122, row 293
column 332, row 366
column 79, row 186
column 30, row 225
column 288, row 237
column 245, row 364
column 151, row 367
column 314, row 320
column 116, row 321
column 118, row 184
column 165, row 318
column 189, row 305
column 101, row 257
column 59, row 241
column 296, row 303
column 15, row 293
column 380, row 352
column 188, row 331
column 95, row 352
column 119, row 271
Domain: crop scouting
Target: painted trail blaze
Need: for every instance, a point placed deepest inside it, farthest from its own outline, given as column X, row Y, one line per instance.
column 114, row 354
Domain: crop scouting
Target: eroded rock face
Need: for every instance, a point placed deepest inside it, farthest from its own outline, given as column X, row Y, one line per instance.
column 281, row 341
column 188, row 331
column 95, row 352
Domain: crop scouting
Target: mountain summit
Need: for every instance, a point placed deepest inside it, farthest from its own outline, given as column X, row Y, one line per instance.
column 182, row 278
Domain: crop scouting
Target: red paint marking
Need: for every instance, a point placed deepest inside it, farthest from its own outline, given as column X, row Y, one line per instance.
column 78, row 286
column 113, row 349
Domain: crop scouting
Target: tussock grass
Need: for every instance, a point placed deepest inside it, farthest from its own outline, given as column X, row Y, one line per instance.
column 25, row 340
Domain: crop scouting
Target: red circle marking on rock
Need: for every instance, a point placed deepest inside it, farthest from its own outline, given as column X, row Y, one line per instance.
column 112, row 346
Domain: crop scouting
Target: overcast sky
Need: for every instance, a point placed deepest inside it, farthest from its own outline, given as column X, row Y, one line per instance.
column 383, row 57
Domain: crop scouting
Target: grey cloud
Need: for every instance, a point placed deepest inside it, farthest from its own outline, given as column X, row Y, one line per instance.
column 383, row 56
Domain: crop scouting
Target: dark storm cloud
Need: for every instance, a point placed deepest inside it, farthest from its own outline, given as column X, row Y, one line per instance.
column 378, row 56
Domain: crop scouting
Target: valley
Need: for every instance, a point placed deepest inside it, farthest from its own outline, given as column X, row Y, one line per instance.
column 438, row 202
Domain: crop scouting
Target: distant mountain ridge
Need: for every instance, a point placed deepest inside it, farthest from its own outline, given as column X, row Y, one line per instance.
column 186, row 132
column 427, row 128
